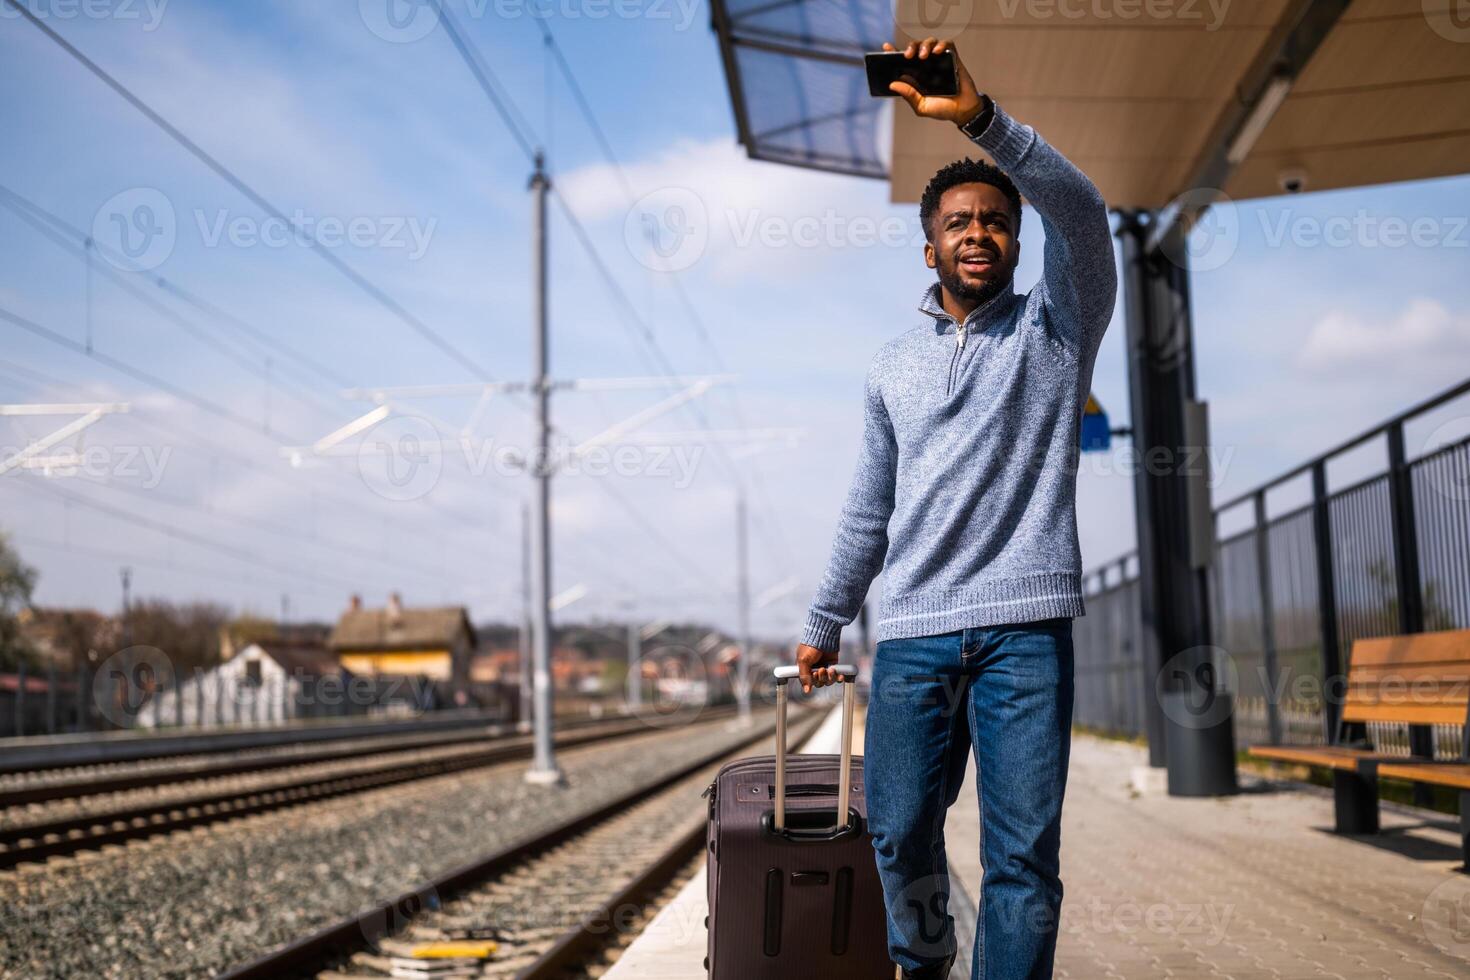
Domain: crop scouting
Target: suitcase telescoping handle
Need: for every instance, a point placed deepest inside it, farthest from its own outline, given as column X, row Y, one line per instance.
column 847, row 676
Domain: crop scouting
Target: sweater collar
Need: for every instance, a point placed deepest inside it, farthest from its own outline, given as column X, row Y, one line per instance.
column 944, row 323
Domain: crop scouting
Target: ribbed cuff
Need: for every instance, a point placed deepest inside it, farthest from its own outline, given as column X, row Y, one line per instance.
column 823, row 633
column 1004, row 139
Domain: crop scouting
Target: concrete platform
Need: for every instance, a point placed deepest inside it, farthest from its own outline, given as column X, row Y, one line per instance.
column 1249, row 887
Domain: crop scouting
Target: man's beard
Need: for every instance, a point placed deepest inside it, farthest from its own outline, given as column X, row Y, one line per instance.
column 956, row 286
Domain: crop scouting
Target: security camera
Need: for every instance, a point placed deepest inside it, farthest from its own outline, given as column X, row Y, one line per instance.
column 1292, row 181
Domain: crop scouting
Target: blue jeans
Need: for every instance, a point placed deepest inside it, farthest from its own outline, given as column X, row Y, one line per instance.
column 1004, row 692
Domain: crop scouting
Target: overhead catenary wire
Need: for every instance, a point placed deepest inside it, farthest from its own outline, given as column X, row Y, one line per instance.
column 515, row 121
column 520, row 131
column 188, row 537
column 695, row 319
column 365, row 284
column 309, row 397
column 136, row 373
column 143, row 416
column 166, row 563
column 14, row 200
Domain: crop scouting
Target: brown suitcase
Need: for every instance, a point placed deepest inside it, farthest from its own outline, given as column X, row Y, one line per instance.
column 793, row 890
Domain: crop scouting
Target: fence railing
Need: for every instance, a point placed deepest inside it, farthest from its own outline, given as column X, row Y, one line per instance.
column 1388, row 554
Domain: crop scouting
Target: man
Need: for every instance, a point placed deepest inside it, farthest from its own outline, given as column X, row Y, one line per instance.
column 964, row 496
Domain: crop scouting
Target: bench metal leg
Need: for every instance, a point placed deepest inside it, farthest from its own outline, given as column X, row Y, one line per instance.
column 1355, row 802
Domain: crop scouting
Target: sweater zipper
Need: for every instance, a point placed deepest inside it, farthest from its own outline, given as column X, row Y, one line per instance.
column 959, row 345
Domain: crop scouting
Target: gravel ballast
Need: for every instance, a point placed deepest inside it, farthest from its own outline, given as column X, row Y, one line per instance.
column 192, row 904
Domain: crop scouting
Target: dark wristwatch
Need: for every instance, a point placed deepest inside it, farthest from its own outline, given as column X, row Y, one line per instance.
column 982, row 119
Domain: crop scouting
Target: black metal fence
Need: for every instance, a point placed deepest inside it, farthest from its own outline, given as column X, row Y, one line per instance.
column 1388, row 554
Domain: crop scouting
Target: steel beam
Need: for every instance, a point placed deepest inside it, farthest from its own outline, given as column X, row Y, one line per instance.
column 1297, row 36
column 1188, row 730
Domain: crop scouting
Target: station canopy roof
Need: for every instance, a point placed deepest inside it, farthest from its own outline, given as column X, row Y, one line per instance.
column 1151, row 98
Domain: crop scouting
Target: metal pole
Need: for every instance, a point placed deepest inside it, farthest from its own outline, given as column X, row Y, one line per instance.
column 742, row 668
column 127, row 637
column 51, row 698
column 127, row 624
column 1175, row 532
column 1407, row 581
column 20, row 699
column 635, row 666
column 527, row 707
column 1268, row 619
column 1131, row 237
column 1331, row 654
column 543, row 764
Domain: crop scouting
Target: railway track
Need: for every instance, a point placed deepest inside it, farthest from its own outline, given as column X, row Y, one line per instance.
column 550, row 904
column 40, row 785
column 25, row 840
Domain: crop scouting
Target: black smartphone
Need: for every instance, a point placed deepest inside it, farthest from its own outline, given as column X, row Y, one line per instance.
column 934, row 75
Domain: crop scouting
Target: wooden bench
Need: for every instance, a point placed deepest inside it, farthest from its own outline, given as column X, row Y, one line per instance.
column 1420, row 679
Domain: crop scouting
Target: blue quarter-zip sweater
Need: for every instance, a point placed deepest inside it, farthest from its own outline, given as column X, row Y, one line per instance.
column 965, row 489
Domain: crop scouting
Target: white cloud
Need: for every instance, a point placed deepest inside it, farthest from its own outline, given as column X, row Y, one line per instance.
column 759, row 220
column 1419, row 341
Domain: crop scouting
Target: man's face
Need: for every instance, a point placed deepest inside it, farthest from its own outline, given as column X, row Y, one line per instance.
column 975, row 248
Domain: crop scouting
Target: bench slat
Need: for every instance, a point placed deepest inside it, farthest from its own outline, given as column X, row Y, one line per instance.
column 1411, row 714
column 1455, row 775
column 1325, row 756
column 1443, row 646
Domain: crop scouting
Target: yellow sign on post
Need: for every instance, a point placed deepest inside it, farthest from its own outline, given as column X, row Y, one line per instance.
column 1097, row 434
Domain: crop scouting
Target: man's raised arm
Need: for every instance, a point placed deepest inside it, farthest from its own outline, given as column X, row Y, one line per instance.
column 1079, row 280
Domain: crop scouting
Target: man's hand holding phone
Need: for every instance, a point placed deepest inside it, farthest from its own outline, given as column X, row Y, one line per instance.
column 812, row 665
column 959, row 108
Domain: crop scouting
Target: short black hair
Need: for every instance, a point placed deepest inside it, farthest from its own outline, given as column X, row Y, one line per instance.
column 965, row 171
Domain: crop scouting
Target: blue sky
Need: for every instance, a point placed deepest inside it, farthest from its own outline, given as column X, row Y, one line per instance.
column 1301, row 342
